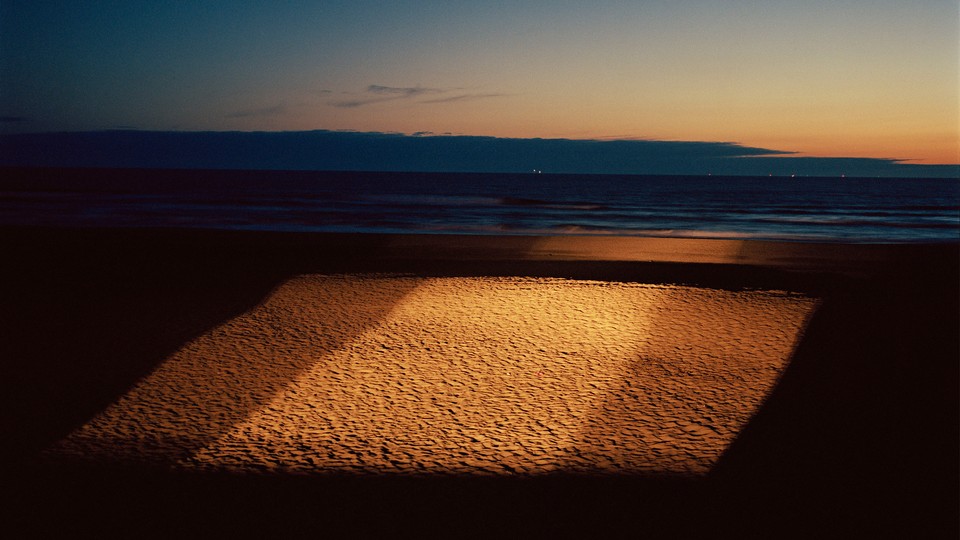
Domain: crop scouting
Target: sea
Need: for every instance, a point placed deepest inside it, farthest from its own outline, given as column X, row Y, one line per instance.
column 802, row 209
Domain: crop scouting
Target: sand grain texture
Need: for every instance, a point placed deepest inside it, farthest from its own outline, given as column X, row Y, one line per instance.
column 394, row 374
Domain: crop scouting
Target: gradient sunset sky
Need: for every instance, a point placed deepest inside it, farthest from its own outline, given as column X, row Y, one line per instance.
column 829, row 78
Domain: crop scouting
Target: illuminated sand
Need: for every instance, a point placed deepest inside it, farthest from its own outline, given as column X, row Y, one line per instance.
column 378, row 374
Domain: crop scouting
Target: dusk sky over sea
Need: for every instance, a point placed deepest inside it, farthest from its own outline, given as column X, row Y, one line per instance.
column 871, row 79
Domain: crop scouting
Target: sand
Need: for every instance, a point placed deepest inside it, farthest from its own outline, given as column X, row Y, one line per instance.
column 189, row 383
column 375, row 374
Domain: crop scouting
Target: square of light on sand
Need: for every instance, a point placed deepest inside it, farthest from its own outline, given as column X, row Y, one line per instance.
column 381, row 374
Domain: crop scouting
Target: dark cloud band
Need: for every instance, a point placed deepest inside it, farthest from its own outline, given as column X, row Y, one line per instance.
column 424, row 151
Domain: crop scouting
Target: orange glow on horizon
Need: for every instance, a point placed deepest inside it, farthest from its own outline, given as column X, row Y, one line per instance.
column 935, row 144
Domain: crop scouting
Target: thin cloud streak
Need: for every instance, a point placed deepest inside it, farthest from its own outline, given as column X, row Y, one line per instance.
column 463, row 97
column 376, row 93
column 401, row 91
column 383, row 93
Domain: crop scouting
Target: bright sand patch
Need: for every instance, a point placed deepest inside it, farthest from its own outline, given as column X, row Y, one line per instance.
column 394, row 374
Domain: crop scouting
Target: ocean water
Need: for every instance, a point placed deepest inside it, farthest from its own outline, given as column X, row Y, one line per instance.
column 863, row 210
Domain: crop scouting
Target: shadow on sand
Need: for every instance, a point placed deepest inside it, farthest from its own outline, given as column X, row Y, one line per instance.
column 860, row 437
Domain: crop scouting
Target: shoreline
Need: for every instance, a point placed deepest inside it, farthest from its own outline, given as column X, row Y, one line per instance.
column 863, row 419
column 366, row 248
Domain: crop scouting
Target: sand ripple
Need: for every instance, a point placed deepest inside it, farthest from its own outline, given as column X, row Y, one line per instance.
column 395, row 374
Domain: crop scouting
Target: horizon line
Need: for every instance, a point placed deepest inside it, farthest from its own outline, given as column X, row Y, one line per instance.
column 767, row 152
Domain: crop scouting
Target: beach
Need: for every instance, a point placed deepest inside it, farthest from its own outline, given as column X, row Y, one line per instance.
column 360, row 382
column 381, row 374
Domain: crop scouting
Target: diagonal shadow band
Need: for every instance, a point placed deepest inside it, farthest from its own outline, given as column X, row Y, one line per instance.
column 215, row 382
column 85, row 316
column 88, row 313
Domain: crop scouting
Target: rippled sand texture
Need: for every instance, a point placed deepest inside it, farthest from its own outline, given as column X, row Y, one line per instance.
column 377, row 374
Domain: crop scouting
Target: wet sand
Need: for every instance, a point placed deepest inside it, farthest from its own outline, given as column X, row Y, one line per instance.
column 535, row 385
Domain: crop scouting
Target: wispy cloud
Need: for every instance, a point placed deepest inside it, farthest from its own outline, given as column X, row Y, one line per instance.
column 262, row 111
column 13, row 119
column 349, row 104
column 463, row 97
column 376, row 93
column 401, row 92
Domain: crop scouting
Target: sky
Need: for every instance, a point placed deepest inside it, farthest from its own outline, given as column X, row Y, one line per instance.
column 817, row 78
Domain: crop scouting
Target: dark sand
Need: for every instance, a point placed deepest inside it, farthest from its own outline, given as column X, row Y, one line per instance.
column 859, row 436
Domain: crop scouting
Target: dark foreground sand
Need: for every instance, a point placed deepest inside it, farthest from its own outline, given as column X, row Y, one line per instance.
column 185, row 382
